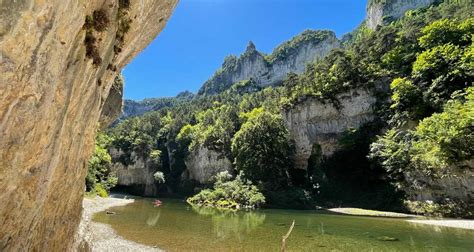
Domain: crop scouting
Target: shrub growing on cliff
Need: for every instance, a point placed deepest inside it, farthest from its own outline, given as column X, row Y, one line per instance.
column 229, row 194
column 159, row 177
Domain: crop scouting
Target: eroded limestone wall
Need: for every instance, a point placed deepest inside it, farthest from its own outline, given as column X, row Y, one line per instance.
column 51, row 98
column 315, row 121
column 203, row 164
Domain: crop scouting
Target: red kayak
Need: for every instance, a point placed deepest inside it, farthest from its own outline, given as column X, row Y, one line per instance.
column 157, row 203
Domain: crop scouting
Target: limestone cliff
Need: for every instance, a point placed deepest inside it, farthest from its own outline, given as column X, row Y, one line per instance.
column 458, row 185
column 320, row 122
column 379, row 11
column 265, row 70
column 203, row 164
column 113, row 105
column 58, row 60
column 137, row 175
column 135, row 108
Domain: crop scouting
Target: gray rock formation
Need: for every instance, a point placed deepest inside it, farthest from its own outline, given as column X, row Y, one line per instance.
column 56, row 73
column 314, row 121
column 138, row 174
column 291, row 56
column 379, row 11
column 459, row 184
column 113, row 105
column 203, row 164
column 135, row 108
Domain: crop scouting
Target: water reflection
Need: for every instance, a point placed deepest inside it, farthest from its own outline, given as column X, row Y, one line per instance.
column 154, row 218
column 227, row 224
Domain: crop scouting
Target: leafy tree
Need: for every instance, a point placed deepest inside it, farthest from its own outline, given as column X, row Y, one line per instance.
column 446, row 138
column 99, row 175
column 408, row 98
column 447, row 31
column 262, row 148
column 441, row 70
column 391, row 151
column 229, row 194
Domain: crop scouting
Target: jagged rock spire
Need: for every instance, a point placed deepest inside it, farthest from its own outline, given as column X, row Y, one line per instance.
column 250, row 47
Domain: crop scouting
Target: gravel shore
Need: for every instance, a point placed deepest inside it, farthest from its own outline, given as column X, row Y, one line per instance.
column 367, row 212
column 102, row 236
column 465, row 224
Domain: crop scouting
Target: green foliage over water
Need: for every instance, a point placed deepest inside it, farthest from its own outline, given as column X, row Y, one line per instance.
column 238, row 193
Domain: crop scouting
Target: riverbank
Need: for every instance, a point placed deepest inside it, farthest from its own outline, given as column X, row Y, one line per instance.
column 370, row 213
column 102, row 237
column 464, row 224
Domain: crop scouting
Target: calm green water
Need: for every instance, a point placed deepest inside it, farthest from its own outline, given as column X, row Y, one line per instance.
column 175, row 226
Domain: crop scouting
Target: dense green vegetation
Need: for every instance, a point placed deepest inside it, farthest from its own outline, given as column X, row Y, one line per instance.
column 424, row 126
column 292, row 46
column 238, row 193
column 100, row 178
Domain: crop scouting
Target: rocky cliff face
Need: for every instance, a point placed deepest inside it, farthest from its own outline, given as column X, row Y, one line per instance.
column 203, row 164
column 58, row 60
column 265, row 70
column 134, row 108
column 113, row 105
column 316, row 122
column 458, row 185
column 379, row 11
column 137, row 175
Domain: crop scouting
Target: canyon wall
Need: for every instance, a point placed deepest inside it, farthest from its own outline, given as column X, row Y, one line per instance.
column 137, row 175
column 458, row 185
column 265, row 70
column 58, row 61
column 315, row 121
column 203, row 164
column 379, row 11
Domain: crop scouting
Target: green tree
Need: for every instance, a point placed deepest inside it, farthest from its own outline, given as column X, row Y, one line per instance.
column 99, row 177
column 441, row 70
column 408, row 98
column 447, row 31
column 238, row 193
column 262, row 148
column 446, row 138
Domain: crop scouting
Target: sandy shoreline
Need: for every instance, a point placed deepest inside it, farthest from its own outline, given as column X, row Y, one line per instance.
column 462, row 223
column 370, row 213
column 102, row 236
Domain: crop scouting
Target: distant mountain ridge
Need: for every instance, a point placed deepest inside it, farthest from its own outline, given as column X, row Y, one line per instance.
column 136, row 108
column 266, row 70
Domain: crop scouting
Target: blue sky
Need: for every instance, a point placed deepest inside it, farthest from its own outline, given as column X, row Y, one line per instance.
column 200, row 33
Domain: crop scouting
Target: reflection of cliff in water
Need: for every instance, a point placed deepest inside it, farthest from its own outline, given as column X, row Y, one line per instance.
column 227, row 224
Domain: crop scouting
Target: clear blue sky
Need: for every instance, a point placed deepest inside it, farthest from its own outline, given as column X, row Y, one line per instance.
column 200, row 33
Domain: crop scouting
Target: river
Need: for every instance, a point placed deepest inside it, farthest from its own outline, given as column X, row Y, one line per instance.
column 176, row 226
